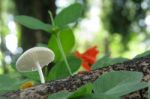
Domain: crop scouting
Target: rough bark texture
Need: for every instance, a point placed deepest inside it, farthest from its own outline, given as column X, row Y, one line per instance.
column 73, row 82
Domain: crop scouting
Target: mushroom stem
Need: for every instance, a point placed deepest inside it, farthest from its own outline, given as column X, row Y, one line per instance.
column 40, row 72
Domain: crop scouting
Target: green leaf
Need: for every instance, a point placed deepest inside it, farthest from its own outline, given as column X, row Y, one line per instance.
column 60, row 70
column 148, row 91
column 60, row 95
column 67, row 40
column 10, row 82
column 106, row 61
column 31, row 75
column 33, row 23
column 126, row 88
column 68, row 15
column 147, row 53
column 122, row 82
column 84, row 90
column 99, row 96
column 1, row 97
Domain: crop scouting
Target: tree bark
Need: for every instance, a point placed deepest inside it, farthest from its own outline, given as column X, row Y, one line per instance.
column 73, row 82
column 38, row 9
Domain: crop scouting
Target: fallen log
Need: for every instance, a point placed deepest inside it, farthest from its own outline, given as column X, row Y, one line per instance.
column 73, row 82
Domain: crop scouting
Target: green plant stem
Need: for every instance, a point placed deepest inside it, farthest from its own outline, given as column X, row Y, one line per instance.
column 51, row 17
column 62, row 52
column 59, row 44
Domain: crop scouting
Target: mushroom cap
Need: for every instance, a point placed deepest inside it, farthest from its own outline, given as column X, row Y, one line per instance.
column 28, row 60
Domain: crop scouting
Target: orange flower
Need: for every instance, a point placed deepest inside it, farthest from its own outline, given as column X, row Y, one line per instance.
column 88, row 57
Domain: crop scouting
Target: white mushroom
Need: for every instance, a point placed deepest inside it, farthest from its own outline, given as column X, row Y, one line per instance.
column 35, row 59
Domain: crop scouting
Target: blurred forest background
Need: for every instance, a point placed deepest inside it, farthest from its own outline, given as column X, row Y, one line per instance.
column 116, row 27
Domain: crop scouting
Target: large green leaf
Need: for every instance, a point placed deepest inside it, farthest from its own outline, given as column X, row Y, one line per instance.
column 32, row 23
column 119, row 83
column 146, row 53
column 106, row 61
column 67, row 40
column 60, row 70
column 126, row 88
column 68, row 15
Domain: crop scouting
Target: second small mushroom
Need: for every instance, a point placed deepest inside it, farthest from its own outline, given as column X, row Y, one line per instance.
column 35, row 59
